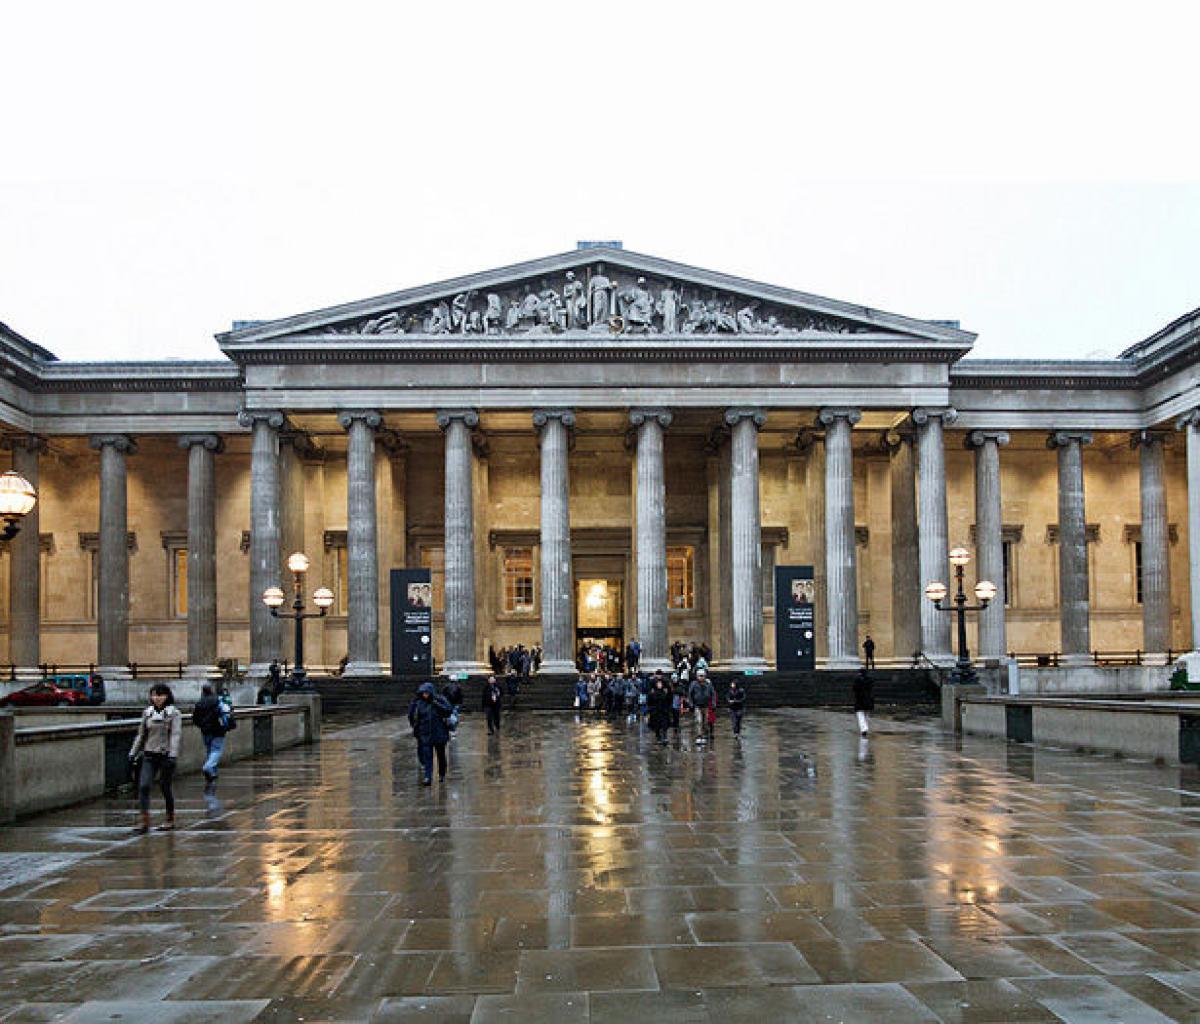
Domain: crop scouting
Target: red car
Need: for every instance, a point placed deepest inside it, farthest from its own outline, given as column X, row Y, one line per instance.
column 45, row 694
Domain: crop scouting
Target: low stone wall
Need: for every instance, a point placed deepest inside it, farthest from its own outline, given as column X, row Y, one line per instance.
column 1107, row 679
column 135, row 691
column 81, row 755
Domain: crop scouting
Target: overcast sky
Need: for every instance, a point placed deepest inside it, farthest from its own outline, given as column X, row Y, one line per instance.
column 1029, row 169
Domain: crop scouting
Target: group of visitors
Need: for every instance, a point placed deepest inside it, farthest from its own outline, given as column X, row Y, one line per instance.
column 518, row 660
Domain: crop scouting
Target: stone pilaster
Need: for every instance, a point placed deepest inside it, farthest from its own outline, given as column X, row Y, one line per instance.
column 1156, row 564
column 266, row 568
column 362, row 547
column 746, row 538
column 989, row 539
column 840, row 568
column 24, row 570
column 932, row 528
column 906, row 565
column 1074, row 603
column 651, row 537
column 202, row 552
column 112, row 611
column 553, row 426
column 460, row 595
column 1190, row 424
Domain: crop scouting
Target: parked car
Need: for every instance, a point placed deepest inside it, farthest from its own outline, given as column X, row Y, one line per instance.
column 45, row 694
column 91, row 686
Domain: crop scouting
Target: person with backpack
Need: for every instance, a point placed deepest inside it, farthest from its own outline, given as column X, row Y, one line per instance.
column 154, row 752
column 429, row 715
column 700, row 695
column 737, row 705
column 213, row 716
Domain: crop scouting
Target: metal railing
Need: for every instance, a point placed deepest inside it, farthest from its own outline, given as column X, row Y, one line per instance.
column 1052, row 659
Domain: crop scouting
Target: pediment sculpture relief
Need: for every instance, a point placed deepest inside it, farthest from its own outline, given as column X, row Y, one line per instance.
column 595, row 301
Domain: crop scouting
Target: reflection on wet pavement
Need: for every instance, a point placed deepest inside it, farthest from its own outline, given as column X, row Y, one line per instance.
column 576, row 871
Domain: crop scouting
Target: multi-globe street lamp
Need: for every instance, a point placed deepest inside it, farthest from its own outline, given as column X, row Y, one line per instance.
column 17, row 498
column 273, row 598
column 985, row 591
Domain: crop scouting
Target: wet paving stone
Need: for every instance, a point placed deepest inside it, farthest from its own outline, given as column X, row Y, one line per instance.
column 576, row 871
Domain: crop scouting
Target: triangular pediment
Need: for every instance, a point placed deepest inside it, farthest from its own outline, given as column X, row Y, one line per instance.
column 599, row 291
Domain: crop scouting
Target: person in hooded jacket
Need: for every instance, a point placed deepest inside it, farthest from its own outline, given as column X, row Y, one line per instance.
column 737, row 705
column 206, row 716
column 492, row 702
column 427, row 715
column 700, row 695
column 659, row 702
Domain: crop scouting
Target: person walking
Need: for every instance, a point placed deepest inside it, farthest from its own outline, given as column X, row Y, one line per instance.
column 737, row 705
column 493, row 701
column 428, row 715
column 156, row 747
column 659, row 702
column 864, row 699
column 678, row 700
column 213, row 716
column 869, row 652
column 700, row 695
column 274, row 681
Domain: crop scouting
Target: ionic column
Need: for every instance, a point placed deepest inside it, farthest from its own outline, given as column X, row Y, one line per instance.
column 840, row 569
column 651, row 537
column 1190, row 423
column 112, row 613
column 746, row 538
column 265, row 563
column 460, row 596
column 24, row 570
column 906, row 565
column 1156, row 565
column 989, row 539
column 553, row 426
column 362, row 548
column 1072, row 547
column 202, row 552
column 933, row 532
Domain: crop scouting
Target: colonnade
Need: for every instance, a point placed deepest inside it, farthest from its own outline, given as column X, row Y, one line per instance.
column 919, row 514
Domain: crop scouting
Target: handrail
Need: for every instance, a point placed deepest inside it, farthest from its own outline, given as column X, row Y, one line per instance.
column 73, row 730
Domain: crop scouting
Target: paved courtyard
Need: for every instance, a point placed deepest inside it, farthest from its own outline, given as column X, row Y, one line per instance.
column 575, row 871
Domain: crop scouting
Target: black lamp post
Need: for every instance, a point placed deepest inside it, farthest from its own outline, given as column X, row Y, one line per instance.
column 985, row 590
column 273, row 598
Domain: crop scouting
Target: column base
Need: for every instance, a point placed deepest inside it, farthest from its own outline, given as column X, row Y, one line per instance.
column 365, row 670
column 205, row 672
column 558, row 668
column 751, row 665
column 260, row 669
column 843, row 663
column 654, row 664
column 114, row 672
column 470, row 668
column 1074, row 660
column 942, row 659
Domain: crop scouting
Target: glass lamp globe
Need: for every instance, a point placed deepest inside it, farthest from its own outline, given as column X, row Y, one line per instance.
column 935, row 591
column 323, row 597
column 297, row 562
column 17, row 496
column 272, row 597
column 985, row 590
column 959, row 556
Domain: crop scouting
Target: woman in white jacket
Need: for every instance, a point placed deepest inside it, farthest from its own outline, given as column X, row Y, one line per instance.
column 157, row 747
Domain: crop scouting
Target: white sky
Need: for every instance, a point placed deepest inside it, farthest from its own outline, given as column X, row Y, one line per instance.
column 1028, row 168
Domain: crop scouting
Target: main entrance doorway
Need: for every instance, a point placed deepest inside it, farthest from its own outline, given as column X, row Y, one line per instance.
column 599, row 612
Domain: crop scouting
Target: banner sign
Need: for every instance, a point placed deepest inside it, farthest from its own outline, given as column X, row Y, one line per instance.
column 412, row 623
column 795, row 620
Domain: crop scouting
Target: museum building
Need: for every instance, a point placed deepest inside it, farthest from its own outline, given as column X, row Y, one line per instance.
column 599, row 445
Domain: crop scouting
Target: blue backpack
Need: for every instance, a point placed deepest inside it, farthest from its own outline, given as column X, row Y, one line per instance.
column 225, row 717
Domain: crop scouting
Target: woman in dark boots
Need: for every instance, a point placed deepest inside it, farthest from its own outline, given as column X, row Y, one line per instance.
column 157, row 746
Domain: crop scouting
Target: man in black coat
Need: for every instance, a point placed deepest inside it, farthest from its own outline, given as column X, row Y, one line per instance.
column 493, row 701
column 427, row 715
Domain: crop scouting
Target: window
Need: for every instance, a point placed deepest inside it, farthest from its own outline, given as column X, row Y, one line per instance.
column 681, row 578
column 434, row 559
column 179, row 582
column 517, row 576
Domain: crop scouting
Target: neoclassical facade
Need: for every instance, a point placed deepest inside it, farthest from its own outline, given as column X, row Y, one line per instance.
column 600, row 444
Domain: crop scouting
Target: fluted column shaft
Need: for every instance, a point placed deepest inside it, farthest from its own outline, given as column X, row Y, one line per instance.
column 1156, row 565
column 362, row 545
column 1074, row 603
column 265, row 562
column 24, row 575
column 932, row 528
column 651, row 537
column 201, row 552
column 460, row 597
column 112, row 613
column 989, row 539
column 1190, row 424
column 556, row 582
column 840, row 556
column 746, row 537
column 906, row 567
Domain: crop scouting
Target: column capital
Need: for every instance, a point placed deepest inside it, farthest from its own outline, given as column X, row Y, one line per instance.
column 827, row 416
column 447, row 416
column 978, row 438
column 26, row 442
column 735, row 416
column 1149, row 438
column 371, row 417
column 1189, row 419
column 639, row 416
column 1066, row 438
column 121, row 442
column 272, row 417
column 213, row 442
column 922, row 414
column 543, row 416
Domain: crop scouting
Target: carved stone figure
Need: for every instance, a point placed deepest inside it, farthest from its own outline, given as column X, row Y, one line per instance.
column 574, row 302
column 598, row 288
column 529, row 308
column 696, row 321
column 389, row 323
column 637, row 307
column 550, row 311
column 747, row 321
column 668, row 308
column 721, row 318
column 460, row 312
column 513, row 316
column 493, row 315
column 439, row 319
